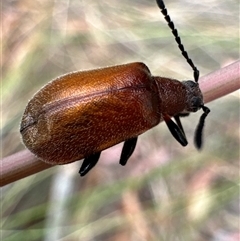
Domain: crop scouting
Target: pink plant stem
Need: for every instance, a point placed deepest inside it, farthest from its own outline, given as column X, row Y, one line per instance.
column 213, row 86
column 220, row 82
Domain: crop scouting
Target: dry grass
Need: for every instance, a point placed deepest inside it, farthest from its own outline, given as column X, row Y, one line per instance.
column 166, row 192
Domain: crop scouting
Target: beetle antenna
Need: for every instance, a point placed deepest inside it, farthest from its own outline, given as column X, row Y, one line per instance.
column 161, row 5
column 206, row 110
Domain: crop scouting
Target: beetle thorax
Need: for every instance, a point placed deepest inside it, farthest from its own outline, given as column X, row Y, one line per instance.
column 172, row 94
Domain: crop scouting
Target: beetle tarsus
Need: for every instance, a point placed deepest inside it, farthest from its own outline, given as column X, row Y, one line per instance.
column 128, row 149
column 88, row 163
column 175, row 130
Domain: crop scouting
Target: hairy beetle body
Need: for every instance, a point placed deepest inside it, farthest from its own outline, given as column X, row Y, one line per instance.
column 85, row 112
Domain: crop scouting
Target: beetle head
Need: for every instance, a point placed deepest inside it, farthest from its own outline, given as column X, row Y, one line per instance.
column 194, row 102
column 194, row 97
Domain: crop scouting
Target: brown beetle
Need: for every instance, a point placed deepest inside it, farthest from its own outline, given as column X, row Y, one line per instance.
column 80, row 114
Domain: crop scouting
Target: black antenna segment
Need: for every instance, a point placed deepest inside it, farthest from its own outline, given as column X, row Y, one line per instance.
column 161, row 5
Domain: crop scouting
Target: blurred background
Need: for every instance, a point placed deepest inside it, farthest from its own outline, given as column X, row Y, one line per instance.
column 165, row 192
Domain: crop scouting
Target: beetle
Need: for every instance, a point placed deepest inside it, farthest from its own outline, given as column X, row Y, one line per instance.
column 80, row 114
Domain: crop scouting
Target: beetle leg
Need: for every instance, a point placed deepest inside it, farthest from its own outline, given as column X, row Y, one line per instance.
column 179, row 124
column 127, row 150
column 175, row 130
column 88, row 163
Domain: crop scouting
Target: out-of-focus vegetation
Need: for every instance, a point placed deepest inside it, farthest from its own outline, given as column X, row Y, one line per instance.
column 166, row 192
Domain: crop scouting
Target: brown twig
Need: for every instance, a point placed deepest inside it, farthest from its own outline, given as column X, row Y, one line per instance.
column 20, row 165
column 213, row 86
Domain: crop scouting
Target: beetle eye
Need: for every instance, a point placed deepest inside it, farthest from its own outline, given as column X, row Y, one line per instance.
column 196, row 102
